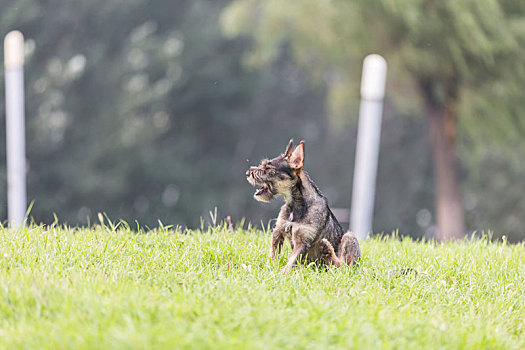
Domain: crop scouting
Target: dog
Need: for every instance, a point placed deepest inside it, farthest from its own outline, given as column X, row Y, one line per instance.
column 305, row 219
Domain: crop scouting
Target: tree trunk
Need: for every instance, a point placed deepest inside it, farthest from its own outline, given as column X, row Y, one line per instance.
column 450, row 215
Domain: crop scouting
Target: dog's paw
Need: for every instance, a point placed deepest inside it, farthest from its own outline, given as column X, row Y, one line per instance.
column 287, row 227
column 327, row 250
column 286, row 270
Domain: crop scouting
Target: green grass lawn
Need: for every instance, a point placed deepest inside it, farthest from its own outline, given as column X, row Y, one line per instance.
column 103, row 287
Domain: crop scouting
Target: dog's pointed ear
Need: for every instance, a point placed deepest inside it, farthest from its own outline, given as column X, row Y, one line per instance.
column 288, row 151
column 297, row 157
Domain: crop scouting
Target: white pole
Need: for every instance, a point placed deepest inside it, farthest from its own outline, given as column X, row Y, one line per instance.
column 367, row 151
column 15, row 128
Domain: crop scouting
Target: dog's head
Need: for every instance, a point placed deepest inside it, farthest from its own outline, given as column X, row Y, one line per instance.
column 278, row 175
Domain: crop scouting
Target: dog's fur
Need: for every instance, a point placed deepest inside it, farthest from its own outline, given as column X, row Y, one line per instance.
column 305, row 219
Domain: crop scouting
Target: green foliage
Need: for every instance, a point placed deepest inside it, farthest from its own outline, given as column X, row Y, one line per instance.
column 468, row 56
column 465, row 54
column 143, row 111
column 106, row 286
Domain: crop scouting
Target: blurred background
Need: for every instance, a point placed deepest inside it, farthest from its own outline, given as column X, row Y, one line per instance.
column 153, row 110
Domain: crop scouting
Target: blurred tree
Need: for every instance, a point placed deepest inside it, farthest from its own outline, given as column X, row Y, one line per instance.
column 124, row 105
column 144, row 111
column 465, row 60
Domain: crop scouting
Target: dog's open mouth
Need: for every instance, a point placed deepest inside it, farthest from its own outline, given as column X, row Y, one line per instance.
column 262, row 190
column 265, row 190
column 264, row 193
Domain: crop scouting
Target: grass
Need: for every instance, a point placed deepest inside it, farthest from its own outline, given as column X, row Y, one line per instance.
column 107, row 287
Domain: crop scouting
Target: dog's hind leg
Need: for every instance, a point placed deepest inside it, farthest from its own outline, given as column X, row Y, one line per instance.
column 349, row 250
column 328, row 253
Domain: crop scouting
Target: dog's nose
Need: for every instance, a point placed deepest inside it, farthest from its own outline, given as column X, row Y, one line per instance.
column 250, row 171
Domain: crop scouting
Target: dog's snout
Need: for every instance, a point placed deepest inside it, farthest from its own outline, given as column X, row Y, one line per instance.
column 250, row 171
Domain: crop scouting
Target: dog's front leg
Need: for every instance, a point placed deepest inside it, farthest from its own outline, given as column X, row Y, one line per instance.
column 277, row 241
column 302, row 238
column 279, row 232
column 299, row 250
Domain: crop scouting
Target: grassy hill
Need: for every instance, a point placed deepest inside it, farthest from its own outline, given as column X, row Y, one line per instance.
column 107, row 287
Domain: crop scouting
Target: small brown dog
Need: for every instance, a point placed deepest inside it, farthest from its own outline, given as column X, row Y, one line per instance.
column 305, row 219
